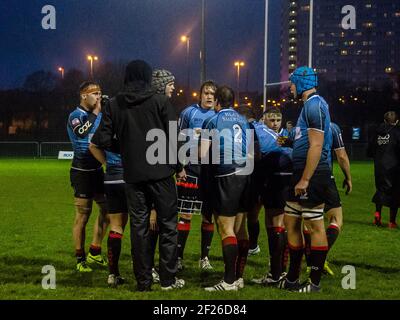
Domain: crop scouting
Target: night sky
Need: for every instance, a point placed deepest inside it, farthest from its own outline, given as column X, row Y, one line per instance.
column 146, row 29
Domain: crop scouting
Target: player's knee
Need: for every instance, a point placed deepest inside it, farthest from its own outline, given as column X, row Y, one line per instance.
column 83, row 207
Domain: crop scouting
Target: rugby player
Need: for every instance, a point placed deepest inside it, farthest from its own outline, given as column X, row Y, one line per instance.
column 271, row 179
column 117, row 209
column 310, row 181
column 333, row 206
column 86, row 176
column 272, row 118
column 229, row 188
column 192, row 118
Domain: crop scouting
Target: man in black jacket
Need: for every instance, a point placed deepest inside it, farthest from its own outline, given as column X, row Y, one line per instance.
column 130, row 116
column 385, row 149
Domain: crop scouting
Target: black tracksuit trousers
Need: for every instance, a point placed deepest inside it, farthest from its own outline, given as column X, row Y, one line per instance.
column 140, row 197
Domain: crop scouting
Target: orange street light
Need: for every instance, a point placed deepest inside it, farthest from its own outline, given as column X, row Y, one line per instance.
column 186, row 39
column 238, row 64
column 61, row 69
column 91, row 58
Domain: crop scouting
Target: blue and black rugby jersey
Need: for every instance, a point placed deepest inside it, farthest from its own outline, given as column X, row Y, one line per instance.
column 114, row 170
column 81, row 126
column 284, row 132
column 192, row 118
column 314, row 115
column 278, row 159
column 229, row 128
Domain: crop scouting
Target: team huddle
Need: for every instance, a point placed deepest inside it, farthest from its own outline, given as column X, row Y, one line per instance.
column 290, row 174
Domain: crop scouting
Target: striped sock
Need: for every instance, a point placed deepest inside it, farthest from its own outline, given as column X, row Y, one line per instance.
column 183, row 233
column 296, row 255
column 114, row 250
column 318, row 257
column 230, row 254
column 243, row 252
column 332, row 233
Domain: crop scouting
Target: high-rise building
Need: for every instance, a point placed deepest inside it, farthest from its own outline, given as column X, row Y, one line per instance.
column 365, row 56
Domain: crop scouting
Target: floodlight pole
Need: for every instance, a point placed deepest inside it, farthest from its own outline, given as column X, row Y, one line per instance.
column 203, row 44
column 310, row 43
column 265, row 56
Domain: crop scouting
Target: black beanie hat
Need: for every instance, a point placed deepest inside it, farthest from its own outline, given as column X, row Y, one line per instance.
column 138, row 71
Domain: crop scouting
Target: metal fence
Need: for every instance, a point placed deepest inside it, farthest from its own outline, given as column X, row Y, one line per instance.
column 51, row 149
column 33, row 149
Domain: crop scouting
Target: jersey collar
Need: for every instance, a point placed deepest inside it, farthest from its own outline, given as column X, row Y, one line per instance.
column 312, row 95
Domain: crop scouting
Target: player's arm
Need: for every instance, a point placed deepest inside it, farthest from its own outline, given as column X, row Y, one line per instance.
column 205, row 140
column 344, row 163
column 204, row 148
column 98, row 153
column 316, row 141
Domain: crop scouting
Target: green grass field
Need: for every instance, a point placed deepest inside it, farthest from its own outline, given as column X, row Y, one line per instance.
column 36, row 208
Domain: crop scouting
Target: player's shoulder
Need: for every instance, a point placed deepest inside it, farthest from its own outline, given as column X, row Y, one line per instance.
column 335, row 127
column 315, row 102
column 211, row 120
column 189, row 109
column 76, row 116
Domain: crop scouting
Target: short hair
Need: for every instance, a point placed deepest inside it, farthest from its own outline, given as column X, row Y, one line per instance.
column 272, row 110
column 390, row 117
column 208, row 83
column 225, row 96
column 289, row 122
column 86, row 84
column 247, row 112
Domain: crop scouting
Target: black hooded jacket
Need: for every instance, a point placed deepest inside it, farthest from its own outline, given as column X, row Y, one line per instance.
column 385, row 149
column 129, row 117
column 385, row 146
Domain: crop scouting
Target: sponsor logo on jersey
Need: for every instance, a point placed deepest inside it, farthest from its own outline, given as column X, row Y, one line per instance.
column 384, row 139
column 75, row 122
column 85, row 127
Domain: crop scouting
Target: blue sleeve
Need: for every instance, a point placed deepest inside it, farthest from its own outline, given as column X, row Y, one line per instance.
column 208, row 124
column 314, row 115
column 81, row 123
column 337, row 137
column 184, row 119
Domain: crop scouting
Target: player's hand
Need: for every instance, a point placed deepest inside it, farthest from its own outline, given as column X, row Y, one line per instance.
column 153, row 220
column 97, row 108
column 281, row 140
column 181, row 176
column 348, row 185
column 301, row 187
